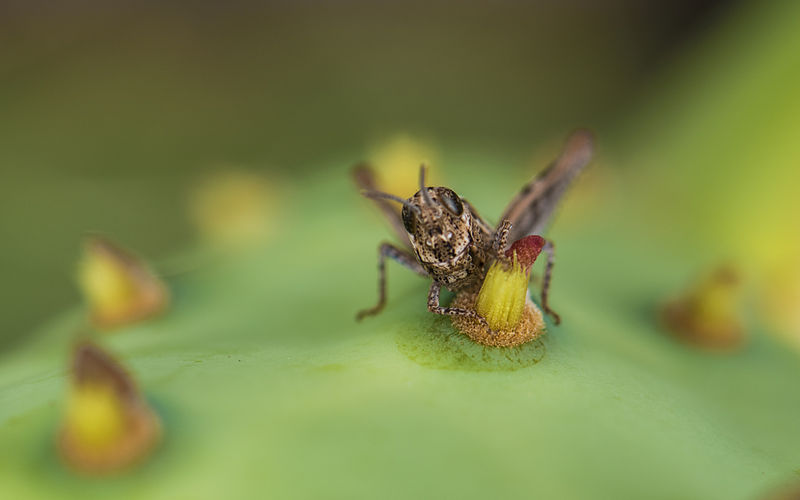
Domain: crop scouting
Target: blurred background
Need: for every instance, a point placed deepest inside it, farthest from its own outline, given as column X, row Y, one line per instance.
column 112, row 111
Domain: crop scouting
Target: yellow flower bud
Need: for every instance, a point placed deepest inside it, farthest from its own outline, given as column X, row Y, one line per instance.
column 119, row 287
column 503, row 300
column 95, row 415
column 397, row 161
column 108, row 425
column 708, row 314
column 234, row 209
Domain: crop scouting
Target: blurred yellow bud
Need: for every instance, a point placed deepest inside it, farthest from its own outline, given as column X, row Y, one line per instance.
column 233, row 209
column 95, row 415
column 119, row 287
column 709, row 313
column 397, row 160
column 107, row 425
column 780, row 298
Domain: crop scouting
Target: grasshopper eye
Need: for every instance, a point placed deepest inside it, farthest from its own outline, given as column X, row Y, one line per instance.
column 452, row 202
column 409, row 222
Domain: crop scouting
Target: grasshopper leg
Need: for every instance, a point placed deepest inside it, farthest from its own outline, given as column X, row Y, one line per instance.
column 387, row 250
column 548, row 271
column 434, row 307
column 500, row 238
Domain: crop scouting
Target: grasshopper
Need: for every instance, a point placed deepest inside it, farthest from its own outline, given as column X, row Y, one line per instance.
column 446, row 240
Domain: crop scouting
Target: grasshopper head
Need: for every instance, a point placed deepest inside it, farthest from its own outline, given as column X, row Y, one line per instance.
column 438, row 224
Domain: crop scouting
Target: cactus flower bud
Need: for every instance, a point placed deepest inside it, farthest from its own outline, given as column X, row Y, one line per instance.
column 503, row 299
column 108, row 425
column 118, row 286
column 708, row 314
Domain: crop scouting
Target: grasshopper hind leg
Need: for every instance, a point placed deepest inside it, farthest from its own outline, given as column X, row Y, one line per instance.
column 548, row 272
column 387, row 250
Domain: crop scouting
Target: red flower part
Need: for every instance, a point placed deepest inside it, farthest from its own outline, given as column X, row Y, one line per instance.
column 527, row 249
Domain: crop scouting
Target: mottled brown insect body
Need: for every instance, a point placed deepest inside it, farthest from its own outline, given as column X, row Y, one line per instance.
column 446, row 240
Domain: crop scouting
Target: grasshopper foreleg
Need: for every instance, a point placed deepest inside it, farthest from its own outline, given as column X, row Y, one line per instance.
column 387, row 250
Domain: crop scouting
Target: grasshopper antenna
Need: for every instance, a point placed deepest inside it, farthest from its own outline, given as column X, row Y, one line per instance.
column 377, row 194
column 426, row 197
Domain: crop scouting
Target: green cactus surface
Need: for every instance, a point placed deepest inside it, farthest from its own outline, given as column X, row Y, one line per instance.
column 266, row 384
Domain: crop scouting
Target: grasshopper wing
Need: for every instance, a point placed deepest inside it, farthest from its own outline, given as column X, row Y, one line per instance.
column 531, row 210
column 364, row 177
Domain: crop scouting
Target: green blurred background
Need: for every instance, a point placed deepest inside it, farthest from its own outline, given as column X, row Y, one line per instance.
column 110, row 110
